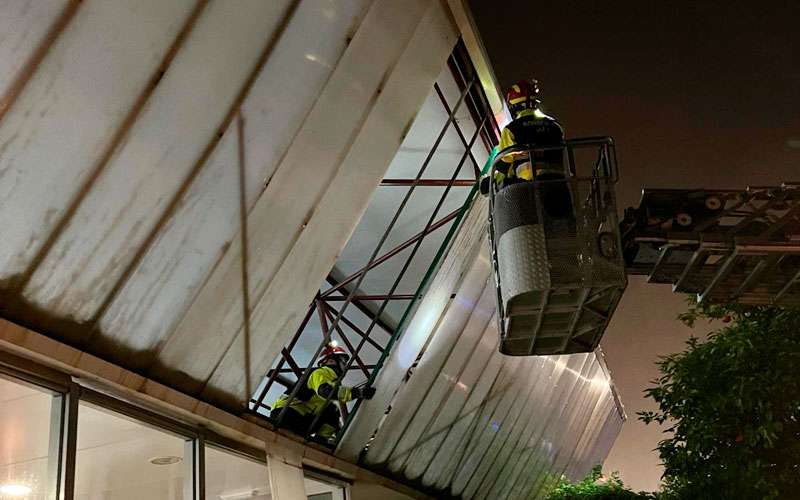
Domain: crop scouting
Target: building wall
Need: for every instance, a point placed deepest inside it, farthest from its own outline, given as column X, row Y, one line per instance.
column 176, row 177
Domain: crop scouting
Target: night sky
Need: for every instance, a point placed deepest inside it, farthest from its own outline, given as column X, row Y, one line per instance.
column 696, row 94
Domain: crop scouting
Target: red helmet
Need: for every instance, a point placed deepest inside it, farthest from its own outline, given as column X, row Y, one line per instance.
column 523, row 95
column 330, row 351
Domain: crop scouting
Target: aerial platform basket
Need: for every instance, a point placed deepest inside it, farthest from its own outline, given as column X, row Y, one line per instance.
column 556, row 252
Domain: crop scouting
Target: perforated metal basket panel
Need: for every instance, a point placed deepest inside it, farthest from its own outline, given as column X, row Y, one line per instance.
column 558, row 284
column 523, row 252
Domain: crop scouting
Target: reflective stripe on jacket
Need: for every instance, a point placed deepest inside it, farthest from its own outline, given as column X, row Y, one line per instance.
column 321, row 381
column 543, row 129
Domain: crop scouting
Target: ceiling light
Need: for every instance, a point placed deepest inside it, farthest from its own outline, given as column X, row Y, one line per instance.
column 168, row 460
column 15, row 490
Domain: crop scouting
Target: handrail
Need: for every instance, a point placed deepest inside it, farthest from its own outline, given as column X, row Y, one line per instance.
column 604, row 142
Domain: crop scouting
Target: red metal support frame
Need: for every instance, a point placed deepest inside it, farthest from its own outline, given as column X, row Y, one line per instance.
column 426, row 230
column 358, row 331
column 361, row 306
column 394, row 251
column 259, row 402
column 397, row 296
column 293, row 366
column 331, row 304
column 428, row 182
column 346, row 341
column 475, row 167
column 408, row 261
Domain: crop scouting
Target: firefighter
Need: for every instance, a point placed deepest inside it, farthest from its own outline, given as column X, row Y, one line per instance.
column 310, row 399
column 530, row 126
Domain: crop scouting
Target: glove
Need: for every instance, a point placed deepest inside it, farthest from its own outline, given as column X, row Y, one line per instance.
column 484, row 185
column 363, row 392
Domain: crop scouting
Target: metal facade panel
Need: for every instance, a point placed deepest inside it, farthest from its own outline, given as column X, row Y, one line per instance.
column 450, row 456
column 454, row 382
column 432, row 307
column 401, row 95
column 178, row 122
column 454, row 318
column 477, row 424
column 149, row 307
column 59, row 125
column 282, row 212
column 23, row 25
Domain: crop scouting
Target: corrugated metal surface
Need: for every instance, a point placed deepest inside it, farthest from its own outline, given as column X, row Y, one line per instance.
column 144, row 144
column 470, row 422
column 177, row 178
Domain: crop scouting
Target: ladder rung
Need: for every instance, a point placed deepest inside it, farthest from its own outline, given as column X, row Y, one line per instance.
column 720, row 276
column 697, row 259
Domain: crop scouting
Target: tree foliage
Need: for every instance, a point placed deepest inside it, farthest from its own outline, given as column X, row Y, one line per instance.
column 732, row 406
column 595, row 487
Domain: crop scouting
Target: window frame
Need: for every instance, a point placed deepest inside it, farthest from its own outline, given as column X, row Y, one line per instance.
column 67, row 395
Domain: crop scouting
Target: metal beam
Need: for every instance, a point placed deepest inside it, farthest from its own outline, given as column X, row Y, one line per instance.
column 288, row 348
column 720, row 276
column 428, row 182
column 755, row 275
column 476, row 168
column 397, row 296
column 391, row 253
column 365, row 310
column 346, row 341
column 788, row 286
column 697, row 259
column 663, row 256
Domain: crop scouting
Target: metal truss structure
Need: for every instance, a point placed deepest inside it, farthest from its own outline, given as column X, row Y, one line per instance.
column 723, row 245
column 332, row 304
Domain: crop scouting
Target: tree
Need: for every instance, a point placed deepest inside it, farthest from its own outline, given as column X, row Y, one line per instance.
column 732, row 404
column 595, row 487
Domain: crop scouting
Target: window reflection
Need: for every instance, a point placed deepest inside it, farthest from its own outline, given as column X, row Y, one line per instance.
column 231, row 477
column 25, row 441
column 120, row 459
column 318, row 490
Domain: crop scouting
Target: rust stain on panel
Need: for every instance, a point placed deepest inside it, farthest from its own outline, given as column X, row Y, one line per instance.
column 117, row 139
column 29, row 68
column 197, row 167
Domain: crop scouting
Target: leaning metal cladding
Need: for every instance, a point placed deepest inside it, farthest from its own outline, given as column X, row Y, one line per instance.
column 473, row 423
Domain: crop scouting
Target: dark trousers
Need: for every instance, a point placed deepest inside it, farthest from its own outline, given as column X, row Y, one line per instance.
column 293, row 420
column 301, row 424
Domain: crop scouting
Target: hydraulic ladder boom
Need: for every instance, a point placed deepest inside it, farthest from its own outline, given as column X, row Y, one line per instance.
column 723, row 245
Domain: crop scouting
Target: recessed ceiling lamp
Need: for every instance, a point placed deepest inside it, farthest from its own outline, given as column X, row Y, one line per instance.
column 15, row 490
column 167, row 460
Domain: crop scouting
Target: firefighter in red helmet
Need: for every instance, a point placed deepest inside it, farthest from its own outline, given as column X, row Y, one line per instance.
column 310, row 399
column 530, row 126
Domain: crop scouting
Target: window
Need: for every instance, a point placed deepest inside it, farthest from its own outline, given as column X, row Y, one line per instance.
column 26, row 441
column 319, row 490
column 121, row 452
column 120, row 459
column 232, row 477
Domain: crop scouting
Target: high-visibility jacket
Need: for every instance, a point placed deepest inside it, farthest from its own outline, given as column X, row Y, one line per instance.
column 535, row 128
column 311, row 398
